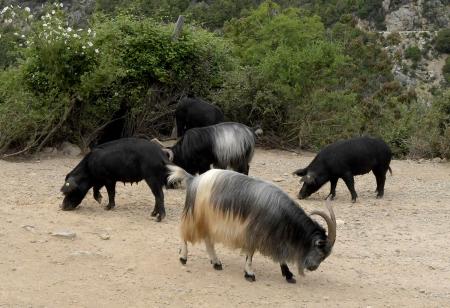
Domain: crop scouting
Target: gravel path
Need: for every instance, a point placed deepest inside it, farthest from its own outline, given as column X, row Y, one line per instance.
column 390, row 252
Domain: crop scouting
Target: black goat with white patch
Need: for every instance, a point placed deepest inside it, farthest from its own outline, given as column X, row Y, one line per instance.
column 195, row 112
column 125, row 160
column 227, row 207
column 224, row 145
column 345, row 159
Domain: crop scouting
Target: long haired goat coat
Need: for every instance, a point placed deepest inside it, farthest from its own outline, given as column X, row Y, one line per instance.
column 224, row 145
column 224, row 206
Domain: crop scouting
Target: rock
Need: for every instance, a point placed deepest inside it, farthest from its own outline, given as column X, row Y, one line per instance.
column 64, row 234
column 83, row 253
column 70, row 149
column 340, row 222
column 104, row 236
column 49, row 150
column 28, row 228
column 278, row 180
column 422, row 291
column 437, row 160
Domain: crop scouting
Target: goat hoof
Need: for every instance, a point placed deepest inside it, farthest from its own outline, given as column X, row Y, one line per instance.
column 379, row 196
column 291, row 280
column 109, row 207
column 183, row 261
column 154, row 213
column 217, row 266
column 249, row 277
column 160, row 216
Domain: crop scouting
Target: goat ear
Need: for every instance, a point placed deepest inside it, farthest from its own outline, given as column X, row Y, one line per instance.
column 69, row 186
column 309, row 178
column 300, row 172
column 320, row 243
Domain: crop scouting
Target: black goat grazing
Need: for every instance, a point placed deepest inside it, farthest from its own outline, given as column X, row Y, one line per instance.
column 123, row 160
column 344, row 159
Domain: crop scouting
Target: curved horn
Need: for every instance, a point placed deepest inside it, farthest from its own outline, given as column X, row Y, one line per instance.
column 155, row 140
column 330, row 220
column 169, row 153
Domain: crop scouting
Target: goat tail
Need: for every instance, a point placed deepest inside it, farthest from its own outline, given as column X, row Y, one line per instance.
column 178, row 175
column 390, row 170
column 257, row 130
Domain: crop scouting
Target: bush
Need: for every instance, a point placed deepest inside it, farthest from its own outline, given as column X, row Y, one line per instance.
column 413, row 53
column 446, row 70
column 74, row 82
column 443, row 41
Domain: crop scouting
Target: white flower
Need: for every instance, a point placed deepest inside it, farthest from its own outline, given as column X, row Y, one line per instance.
column 27, row 9
column 90, row 44
column 96, row 50
column 22, row 36
column 80, row 30
column 44, row 25
column 4, row 10
column 20, row 45
column 59, row 28
column 89, row 30
column 84, row 47
column 53, row 12
column 61, row 4
column 30, row 16
column 16, row 34
column 8, row 21
column 47, row 15
column 69, row 29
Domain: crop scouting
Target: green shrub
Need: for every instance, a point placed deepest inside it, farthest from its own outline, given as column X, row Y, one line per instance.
column 442, row 42
column 446, row 70
column 413, row 53
column 73, row 82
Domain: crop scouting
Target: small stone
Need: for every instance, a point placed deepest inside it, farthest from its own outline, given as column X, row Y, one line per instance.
column 340, row 222
column 436, row 160
column 81, row 253
column 431, row 267
column 278, row 180
column 28, row 228
column 104, row 236
column 64, row 234
column 70, row 149
column 422, row 291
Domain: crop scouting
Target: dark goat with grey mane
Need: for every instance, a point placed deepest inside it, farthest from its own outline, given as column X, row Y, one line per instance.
column 125, row 160
column 224, row 145
column 224, row 206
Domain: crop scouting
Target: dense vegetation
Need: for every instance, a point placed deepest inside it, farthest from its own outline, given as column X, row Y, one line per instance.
column 306, row 74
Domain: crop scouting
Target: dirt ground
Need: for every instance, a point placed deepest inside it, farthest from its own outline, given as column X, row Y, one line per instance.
column 391, row 252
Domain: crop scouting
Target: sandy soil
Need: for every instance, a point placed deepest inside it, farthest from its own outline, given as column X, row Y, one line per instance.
column 390, row 252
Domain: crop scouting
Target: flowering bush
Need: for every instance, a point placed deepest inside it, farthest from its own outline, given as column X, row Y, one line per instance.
column 72, row 81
